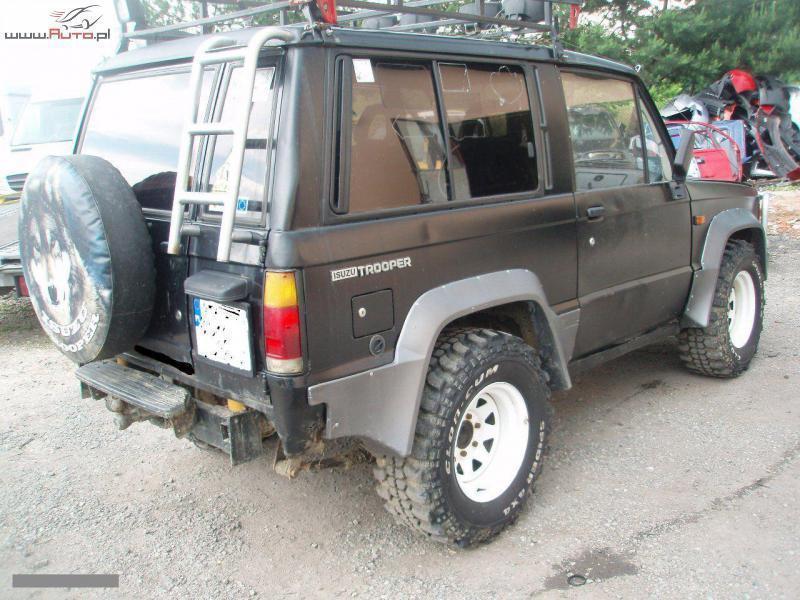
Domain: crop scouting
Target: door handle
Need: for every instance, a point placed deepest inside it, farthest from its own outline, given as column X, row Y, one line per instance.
column 595, row 213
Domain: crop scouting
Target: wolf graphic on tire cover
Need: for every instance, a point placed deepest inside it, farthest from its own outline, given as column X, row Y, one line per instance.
column 86, row 256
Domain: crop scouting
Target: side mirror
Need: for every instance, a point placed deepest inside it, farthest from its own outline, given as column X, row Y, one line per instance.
column 683, row 157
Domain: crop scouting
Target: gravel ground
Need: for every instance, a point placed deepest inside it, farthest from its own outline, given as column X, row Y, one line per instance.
column 659, row 483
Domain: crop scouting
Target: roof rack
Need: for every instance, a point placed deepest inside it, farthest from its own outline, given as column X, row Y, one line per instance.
column 501, row 18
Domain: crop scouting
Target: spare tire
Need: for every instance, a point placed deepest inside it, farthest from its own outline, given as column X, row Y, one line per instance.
column 87, row 256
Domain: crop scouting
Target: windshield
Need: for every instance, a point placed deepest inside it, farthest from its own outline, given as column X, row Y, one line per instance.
column 45, row 122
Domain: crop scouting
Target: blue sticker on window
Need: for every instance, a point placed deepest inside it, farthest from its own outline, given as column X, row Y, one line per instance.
column 241, row 205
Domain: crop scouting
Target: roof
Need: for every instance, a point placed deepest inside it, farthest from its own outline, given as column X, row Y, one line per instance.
column 183, row 49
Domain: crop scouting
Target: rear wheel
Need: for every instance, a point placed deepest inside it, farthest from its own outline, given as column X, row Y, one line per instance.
column 727, row 345
column 479, row 440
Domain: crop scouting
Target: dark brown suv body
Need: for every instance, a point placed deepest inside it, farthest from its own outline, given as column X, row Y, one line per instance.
column 411, row 184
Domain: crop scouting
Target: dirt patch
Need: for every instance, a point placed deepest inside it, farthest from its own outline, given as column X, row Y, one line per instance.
column 589, row 567
column 784, row 213
column 16, row 313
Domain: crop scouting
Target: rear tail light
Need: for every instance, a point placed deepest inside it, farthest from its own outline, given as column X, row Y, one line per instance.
column 282, row 323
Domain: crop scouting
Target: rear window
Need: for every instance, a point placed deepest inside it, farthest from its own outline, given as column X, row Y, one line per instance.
column 136, row 125
column 221, row 151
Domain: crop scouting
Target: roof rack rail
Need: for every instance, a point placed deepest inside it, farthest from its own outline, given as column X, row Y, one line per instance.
column 503, row 17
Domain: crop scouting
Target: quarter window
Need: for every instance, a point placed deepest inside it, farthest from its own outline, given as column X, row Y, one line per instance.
column 397, row 154
column 490, row 130
column 605, row 131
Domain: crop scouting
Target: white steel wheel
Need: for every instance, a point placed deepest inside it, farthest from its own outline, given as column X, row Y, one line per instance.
column 741, row 309
column 491, row 441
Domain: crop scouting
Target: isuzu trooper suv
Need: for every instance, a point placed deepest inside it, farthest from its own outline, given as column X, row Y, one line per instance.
column 396, row 240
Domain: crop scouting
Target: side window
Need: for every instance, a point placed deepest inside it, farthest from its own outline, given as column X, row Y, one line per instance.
column 659, row 164
column 397, row 153
column 254, row 166
column 605, row 131
column 490, row 130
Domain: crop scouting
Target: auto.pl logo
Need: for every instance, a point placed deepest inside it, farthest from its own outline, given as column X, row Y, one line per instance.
column 75, row 24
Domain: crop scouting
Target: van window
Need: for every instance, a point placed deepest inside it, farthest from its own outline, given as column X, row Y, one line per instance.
column 47, row 122
column 397, row 155
column 605, row 131
column 136, row 125
column 490, row 130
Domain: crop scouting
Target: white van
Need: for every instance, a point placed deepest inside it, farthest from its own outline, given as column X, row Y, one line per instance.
column 11, row 104
column 45, row 127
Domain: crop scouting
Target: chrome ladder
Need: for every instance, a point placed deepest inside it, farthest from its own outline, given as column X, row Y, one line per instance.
column 215, row 51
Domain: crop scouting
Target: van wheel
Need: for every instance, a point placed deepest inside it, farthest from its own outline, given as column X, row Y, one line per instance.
column 479, row 439
column 727, row 345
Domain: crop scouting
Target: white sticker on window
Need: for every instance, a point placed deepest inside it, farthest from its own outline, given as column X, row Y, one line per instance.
column 363, row 70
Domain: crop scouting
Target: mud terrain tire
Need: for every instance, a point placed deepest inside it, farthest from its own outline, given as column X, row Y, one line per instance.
column 711, row 350
column 424, row 490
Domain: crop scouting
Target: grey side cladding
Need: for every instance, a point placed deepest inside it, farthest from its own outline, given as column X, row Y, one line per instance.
column 381, row 405
column 725, row 224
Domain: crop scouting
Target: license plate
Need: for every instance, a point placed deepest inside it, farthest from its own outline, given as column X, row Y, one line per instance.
column 223, row 334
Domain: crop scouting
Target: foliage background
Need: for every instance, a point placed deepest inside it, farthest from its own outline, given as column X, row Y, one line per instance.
column 681, row 45
column 686, row 46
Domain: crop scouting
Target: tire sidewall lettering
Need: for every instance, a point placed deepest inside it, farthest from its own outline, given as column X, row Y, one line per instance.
column 518, row 373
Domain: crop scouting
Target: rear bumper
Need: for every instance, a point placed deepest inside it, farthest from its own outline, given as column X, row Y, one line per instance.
column 136, row 395
column 284, row 403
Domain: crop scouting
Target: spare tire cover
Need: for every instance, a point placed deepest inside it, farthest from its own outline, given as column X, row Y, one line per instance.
column 87, row 256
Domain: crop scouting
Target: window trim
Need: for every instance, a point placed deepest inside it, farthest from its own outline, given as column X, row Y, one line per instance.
column 536, row 108
column 543, row 131
column 660, row 128
column 342, row 134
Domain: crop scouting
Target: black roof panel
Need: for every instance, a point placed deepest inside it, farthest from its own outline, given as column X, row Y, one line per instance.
column 183, row 49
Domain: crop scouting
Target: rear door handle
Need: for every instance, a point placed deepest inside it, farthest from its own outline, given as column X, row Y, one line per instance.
column 595, row 213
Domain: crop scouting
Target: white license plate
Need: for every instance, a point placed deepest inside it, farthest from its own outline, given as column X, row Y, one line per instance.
column 223, row 334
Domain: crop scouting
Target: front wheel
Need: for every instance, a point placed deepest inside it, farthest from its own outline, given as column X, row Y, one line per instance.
column 727, row 345
column 479, row 440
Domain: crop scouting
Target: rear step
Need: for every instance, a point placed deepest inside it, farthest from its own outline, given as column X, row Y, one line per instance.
column 142, row 390
column 238, row 434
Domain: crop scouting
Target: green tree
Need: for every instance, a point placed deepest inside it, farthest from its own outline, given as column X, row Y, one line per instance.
column 685, row 49
column 620, row 15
